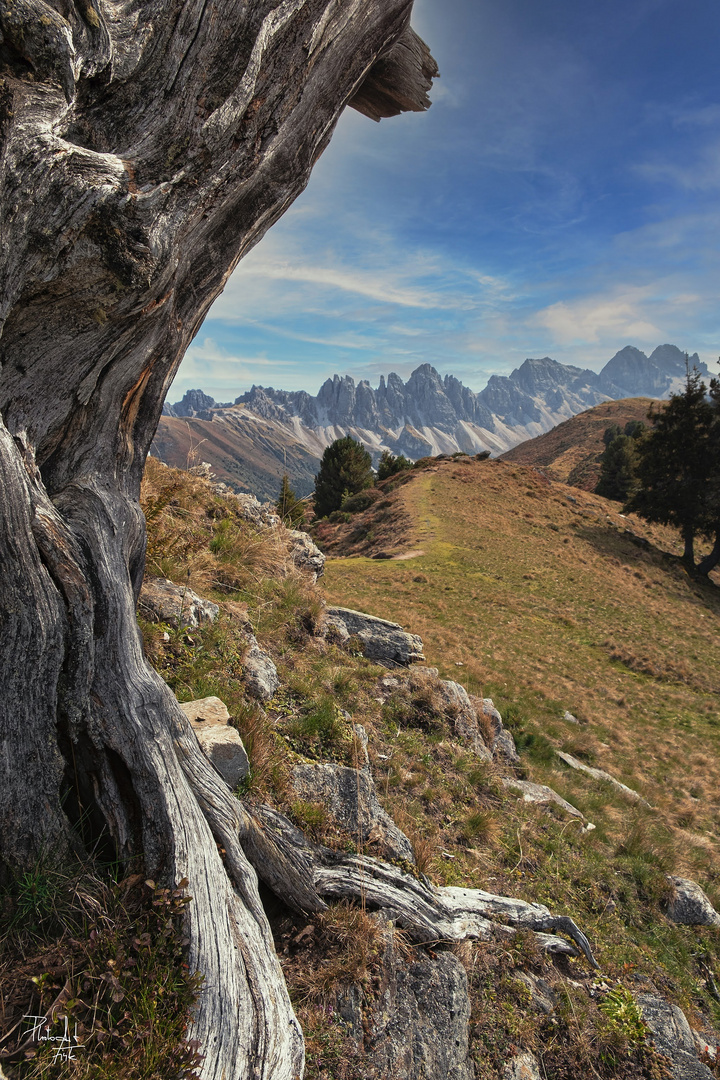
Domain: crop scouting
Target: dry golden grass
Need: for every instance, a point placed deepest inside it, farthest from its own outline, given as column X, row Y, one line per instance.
column 548, row 604
column 199, row 539
column 571, row 452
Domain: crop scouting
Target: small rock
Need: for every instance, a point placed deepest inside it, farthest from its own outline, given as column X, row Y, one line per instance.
column 502, row 744
column 543, row 995
column 163, row 601
column 389, row 682
column 210, row 708
column 220, row 743
column 539, row 793
column 351, row 800
column 306, row 556
column 569, row 718
column 522, row 1067
column 673, row 1037
column 259, row 672
column 689, row 905
column 600, row 774
column 361, row 742
column 380, row 639
column 458, row 706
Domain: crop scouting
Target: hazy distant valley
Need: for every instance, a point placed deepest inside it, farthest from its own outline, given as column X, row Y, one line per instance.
column 265, row 432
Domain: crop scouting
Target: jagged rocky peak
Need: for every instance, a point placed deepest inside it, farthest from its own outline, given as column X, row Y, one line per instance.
column 631, row 373
column 670, row 358
column 538, row 376
column 430, row 414
column 194, row 403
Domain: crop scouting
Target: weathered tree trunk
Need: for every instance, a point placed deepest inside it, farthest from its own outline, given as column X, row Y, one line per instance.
column 146, row 146
column 711, row 560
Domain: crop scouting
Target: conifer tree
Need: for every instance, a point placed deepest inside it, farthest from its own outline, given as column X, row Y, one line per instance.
column 618, row 471
column 345, row 469
column 289, row 507
column 711, row 527
column 675, row 465
column 389, row 465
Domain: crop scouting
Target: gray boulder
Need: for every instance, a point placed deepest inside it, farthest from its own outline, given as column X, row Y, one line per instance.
column 306, row 556
column 263, row 515
column 259, row 675
column 220, row 743
column 542, row 994
column 672, row 1036
column 416, row 1026
column 522, row 1067
column 163, row 601
column 502, row 742
column 600, row 774
column 458, row 706
column 689, row 905
column 381, row 640
column 209, row 710
column 259, row 672
column 540, row 793
column 350, row 798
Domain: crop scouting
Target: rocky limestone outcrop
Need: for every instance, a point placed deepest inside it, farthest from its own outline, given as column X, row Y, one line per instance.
column 349, row 796
column 220, row 742
column 600, row 774
column 416, row 1026
column 263, row 515
column 457, row 704
column 306, row 555
column 540, row 793
column 475, row 721
column 259, row 672
column 383, row 641
column 497, row 736
column 689, row 905
column 672, row 1036
column 522, row 1067
column 176, row 605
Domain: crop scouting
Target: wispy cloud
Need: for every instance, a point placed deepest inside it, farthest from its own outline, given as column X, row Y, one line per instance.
column 620, row 315
column 702, row 173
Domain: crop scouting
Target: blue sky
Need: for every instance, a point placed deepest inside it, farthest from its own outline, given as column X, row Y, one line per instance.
column 559, row 198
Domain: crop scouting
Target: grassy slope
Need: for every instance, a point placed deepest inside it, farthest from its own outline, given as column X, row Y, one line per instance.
column 571, row 451
column 248, row 460
column 537, row 591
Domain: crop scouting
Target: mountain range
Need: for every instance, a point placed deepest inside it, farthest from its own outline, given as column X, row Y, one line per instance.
column 265, row 432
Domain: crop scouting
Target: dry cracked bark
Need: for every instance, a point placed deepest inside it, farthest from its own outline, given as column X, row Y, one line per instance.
column 146, row 146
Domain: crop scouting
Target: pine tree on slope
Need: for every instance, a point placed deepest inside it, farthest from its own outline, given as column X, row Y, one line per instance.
column 675, row 465
column 345, row 469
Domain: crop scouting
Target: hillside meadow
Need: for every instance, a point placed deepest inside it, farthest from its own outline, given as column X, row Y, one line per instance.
column 550, row 601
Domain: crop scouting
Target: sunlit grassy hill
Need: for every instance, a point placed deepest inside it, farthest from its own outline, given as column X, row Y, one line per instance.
column 571, row 451
column 550, row 601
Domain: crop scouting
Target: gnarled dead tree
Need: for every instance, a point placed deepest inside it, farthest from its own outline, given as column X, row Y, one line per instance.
column 146, row 146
